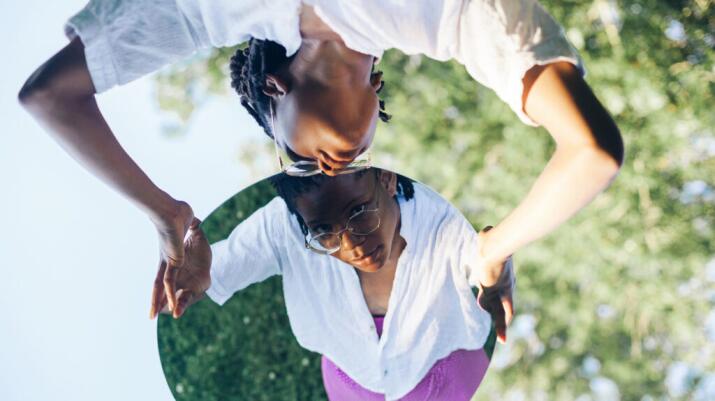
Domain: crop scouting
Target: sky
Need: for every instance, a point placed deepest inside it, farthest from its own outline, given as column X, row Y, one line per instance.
column 77, row 260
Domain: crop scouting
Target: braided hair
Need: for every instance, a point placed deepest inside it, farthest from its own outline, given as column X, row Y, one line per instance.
column 249, row 67
column 290, row 187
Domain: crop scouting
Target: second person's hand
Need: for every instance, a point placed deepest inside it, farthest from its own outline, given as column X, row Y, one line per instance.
column 497, row 282
column 171, row 228
column 193, row 277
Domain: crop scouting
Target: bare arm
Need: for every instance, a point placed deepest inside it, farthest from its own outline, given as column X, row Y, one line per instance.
column 588, row 156
column 60, row 96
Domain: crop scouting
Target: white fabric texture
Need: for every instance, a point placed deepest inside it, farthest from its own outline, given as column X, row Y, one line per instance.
column 431, row 312
column 497, row 40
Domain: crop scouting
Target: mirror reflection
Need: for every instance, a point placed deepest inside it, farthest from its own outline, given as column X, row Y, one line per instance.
column 365, row 290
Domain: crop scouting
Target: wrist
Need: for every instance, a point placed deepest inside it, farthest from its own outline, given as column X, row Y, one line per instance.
column 163, row 208
column 490, row 264
column 486, row 249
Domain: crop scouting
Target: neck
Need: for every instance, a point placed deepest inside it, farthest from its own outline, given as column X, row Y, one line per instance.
column 330, row 63
column 323, row 56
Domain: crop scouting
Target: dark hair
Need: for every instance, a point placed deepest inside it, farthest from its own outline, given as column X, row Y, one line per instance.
column 249, row 67
column 290, row 187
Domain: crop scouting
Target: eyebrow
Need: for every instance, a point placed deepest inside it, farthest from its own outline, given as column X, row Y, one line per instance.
column 352, row 203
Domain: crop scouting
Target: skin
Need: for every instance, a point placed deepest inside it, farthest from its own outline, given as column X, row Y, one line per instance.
column 325, row 101
column 332, row 205
column 329, row 207
column 589, row 148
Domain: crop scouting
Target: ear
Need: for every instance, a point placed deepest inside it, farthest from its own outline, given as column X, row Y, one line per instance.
column 388, row 180
column 376, row 81
column 274, row 86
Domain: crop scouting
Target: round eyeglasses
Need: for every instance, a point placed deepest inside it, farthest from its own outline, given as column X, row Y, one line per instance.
column 307, row 168
column 363, row 222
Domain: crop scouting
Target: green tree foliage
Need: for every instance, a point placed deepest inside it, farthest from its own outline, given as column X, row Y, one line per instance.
column 245, row 349
column 618, row 302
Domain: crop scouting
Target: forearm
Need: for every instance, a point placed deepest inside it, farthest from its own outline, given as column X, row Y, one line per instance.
column 78, row 126
column 571, row 180
column 589, row 152
column 60, row 95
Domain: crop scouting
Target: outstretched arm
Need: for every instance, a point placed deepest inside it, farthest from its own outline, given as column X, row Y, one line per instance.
column 588, row 156
column 60, row 96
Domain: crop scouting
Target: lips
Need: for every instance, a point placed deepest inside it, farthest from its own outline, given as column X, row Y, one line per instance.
column 370, row 257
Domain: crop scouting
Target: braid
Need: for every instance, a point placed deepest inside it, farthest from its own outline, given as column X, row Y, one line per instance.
column 383, row 115
column 249, row 67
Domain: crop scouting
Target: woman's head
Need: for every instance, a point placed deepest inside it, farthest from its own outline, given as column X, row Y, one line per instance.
column 330, row 121
column 324, row 204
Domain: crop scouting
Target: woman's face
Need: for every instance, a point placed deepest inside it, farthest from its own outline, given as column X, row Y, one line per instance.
column 329, row 124
column 328, row 208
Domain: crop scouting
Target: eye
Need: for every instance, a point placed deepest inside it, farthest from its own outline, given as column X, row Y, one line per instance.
column 358, row 209
column 320, row 229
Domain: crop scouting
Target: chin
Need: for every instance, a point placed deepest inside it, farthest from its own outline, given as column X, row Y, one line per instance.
column 371, row 268
column 373, row 264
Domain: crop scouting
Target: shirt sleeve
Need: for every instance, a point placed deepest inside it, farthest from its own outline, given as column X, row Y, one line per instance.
column 254, row 251
column 127, row 39
column 458, row 235
column 500, row 40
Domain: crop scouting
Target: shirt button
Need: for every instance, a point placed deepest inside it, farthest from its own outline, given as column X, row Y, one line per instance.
column 385, row 372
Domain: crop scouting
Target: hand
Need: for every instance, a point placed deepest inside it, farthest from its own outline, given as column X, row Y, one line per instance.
column 172, row 228
column 496, row 288
column 193, row 277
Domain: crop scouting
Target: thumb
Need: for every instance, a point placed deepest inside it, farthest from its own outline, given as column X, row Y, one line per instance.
column 182, row 300
column 508, row 309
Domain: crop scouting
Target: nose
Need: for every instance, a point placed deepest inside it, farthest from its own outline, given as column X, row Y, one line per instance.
column 350, row 241
column 326, row 168
column 331, row 167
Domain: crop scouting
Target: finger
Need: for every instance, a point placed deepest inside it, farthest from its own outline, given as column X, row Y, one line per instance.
column 158, row 290
column 163, row 305
column 195, row 234
column 182, row 299
column 172, row 269
column 499, row 322
column 487, row 296
column 508, row 306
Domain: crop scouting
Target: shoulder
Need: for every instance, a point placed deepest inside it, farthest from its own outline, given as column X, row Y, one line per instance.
column 427, row 201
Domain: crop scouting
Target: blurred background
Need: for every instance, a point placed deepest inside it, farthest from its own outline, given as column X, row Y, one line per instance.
column 617, row 304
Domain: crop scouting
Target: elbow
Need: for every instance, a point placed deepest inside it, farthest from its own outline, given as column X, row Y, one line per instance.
column 26, row 95
column 614, row 147
column 606, row 142
column 607, row 138
column 36, row 92
column 609, row 157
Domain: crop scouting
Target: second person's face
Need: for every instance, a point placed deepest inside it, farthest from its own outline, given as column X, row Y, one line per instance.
column 329, row 207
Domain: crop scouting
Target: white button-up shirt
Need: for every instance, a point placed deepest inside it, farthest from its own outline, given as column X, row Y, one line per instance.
column 431, row 311
column 496, row 40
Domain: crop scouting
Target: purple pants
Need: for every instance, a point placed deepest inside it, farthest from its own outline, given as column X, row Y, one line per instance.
column 453, row 378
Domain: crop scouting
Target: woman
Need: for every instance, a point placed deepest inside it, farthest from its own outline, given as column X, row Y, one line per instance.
column 309, row 82
column 377, row 274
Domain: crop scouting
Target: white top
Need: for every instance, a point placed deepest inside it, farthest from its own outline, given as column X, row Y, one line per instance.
column 497, row 40
column 431, row 311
